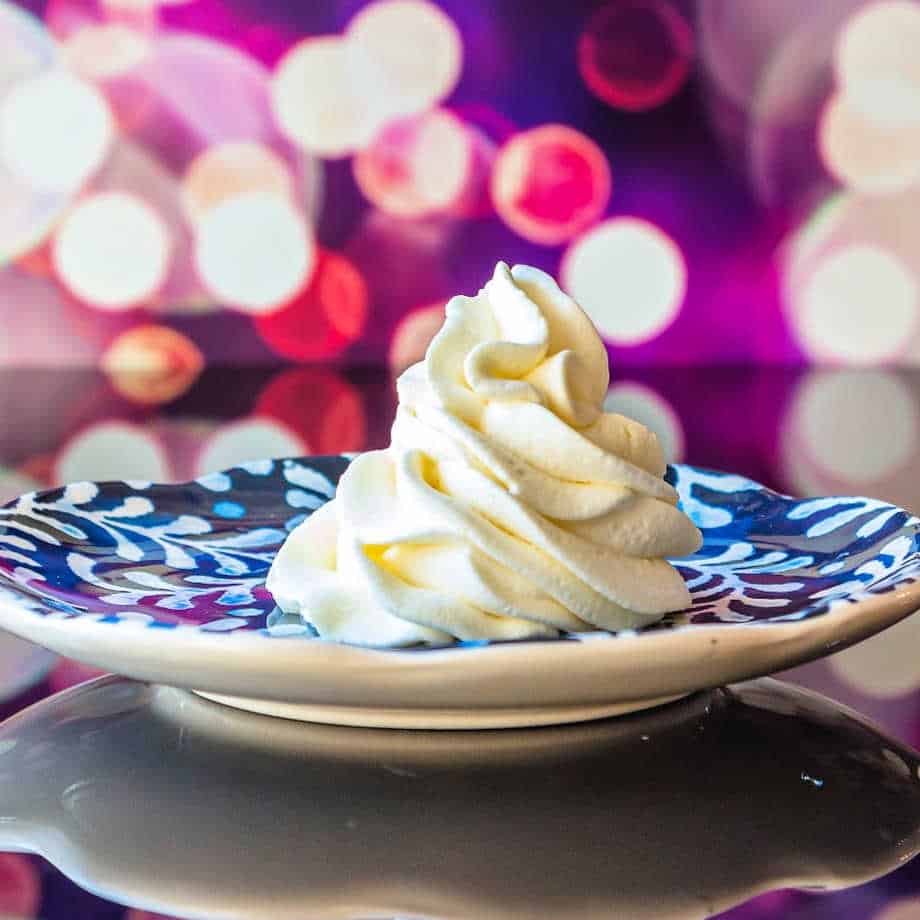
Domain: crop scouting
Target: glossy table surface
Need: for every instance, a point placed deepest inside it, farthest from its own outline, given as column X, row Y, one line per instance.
column 705, row 824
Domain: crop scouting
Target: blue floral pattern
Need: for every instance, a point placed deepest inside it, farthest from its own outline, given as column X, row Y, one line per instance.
column 195, row 555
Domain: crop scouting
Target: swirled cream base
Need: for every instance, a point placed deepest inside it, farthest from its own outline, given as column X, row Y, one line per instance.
column 436, row 719
column 508, row 505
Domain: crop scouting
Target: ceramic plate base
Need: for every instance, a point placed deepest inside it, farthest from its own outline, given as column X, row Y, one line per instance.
column 439, row 719
column 166, row 584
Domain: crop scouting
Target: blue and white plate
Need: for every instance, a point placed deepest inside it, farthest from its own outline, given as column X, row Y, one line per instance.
column 166, row 583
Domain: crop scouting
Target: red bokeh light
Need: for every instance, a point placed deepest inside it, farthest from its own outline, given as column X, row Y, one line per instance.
column 327, row 316
column 325, row 411
column 550, row 183
column 635, row 54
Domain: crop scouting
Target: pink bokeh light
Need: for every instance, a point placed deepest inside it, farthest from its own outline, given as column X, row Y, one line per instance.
column 417, row 166
column 550, row 183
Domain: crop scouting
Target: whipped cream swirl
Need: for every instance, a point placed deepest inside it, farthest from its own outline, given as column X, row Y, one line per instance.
column 508, row 504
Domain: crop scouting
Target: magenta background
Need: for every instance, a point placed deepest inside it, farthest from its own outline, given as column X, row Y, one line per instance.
column 678, row 165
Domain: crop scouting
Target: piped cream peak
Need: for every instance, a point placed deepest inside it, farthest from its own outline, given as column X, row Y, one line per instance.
column 508, row 504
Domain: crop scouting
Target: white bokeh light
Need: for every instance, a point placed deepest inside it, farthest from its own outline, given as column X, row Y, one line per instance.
column 813, row 236
column 27, row 213
column 254, row 252
column 136, row 170
column 859, row 426
column 254, row 438
column 884, row 666
column 405, row 54
column 860, row 305
column 112, row 251
column 112, row 450
column 315, row 100
column 868, row 155
column 629, row 276
column 852, row 431
column 28, row 49
column 639, row 402
column 99, row 52
column 902, row 909
column 876, row 60
column 55, row 131
column 25, row 217
column 234, row 168
column 889, row 224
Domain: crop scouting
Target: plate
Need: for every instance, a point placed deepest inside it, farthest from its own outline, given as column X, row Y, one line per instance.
column 165, row 583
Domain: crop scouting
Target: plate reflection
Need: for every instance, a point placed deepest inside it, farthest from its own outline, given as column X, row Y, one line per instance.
column 166, row 802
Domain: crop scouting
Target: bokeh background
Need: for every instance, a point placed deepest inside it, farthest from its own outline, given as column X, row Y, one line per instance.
column 227, row 225
column 253, row 182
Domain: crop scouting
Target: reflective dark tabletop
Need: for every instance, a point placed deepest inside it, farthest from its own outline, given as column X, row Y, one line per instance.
column 625, row 818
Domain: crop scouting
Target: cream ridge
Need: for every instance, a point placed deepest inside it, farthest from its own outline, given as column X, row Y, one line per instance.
column 508, row 504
